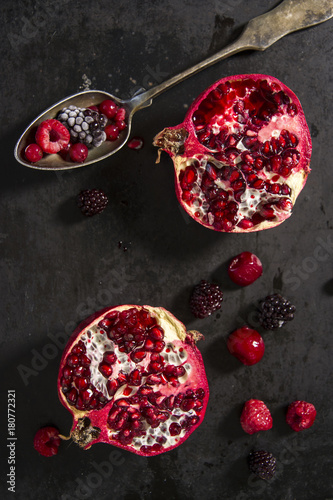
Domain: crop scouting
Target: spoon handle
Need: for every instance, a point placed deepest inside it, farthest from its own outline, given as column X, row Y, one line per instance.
column 259, row 34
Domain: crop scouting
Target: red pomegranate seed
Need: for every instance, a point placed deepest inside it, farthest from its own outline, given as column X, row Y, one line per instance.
column 135, row 143
column 106, row 370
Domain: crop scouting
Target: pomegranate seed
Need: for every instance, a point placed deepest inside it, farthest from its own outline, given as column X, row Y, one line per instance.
column 159, row 346
column 135, row 143
column 72, row 396
column 153, row 379
column 134, row 377
column 174, row 429
column 84, row 360
column 67, row 373
column 81, row 383
column 149, row 345
column 109, row 357
column 72, row 360
column 138, row 356
column 106, row 370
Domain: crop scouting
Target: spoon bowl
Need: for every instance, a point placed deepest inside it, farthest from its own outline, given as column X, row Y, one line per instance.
column 82, row 100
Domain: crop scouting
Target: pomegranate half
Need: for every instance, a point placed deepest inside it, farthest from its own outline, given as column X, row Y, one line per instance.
column 241, row 155
column 132, row 377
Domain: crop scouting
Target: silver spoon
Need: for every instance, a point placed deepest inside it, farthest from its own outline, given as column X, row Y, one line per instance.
column 259, row 34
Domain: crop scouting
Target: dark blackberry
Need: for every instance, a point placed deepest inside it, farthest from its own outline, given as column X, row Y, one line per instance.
column 84, row 124
column 92, row 201
column 262, row 464
column 205, row 299
column 275, row 311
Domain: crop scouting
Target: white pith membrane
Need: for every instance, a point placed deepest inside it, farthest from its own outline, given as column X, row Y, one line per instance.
column 251, row 200
column 97, row 343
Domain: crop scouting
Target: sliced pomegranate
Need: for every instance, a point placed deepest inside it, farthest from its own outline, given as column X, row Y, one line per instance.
column 132, row 376
column 241, row 155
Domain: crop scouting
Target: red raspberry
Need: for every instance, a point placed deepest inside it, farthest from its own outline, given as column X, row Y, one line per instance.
column 245, row 268
column 47, row 441
column 255, row 417
column 300, row 415
column 52, row 136
column 121, row 114
column 108, row 108
column 33, row 153
column 246, row 345
column 78, row 152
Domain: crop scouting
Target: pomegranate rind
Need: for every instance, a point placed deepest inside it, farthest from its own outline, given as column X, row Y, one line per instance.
column 97, row 432
column 182, row 144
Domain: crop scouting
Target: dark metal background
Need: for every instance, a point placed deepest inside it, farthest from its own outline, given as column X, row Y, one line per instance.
column 58, row 267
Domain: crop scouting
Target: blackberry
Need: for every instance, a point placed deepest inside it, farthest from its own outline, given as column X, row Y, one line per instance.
column 92, row 201
column 205, row 299
column 275, row 311
column 262, row 464
column 85, row 125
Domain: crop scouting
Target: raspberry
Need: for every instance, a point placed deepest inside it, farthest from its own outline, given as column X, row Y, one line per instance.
column 92, row 201
column 255, row 417
column 246, row 345
column 245, row 268
column 33, row 153
column 300, row 415
column 47, row 441
column 78, row 152
column 262, row 464
column 205, row 299
column 52, row 136
column 275, row 311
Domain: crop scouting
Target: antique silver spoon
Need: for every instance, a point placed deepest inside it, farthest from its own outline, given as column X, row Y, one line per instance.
column 258, row 34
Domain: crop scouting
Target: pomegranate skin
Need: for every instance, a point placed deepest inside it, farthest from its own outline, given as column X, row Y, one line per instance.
column 242, row 154
column 94, row 425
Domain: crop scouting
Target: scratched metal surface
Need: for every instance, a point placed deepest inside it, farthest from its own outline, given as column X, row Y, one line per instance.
column 57, row 267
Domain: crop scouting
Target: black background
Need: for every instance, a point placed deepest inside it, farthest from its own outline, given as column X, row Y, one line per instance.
column 57, row 267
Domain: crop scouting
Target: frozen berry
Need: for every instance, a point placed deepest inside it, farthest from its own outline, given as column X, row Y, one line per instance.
column 255, row 417
column 108, row 108
column 135, row 143
column 262, row 464
column 246, row 345
column 85, row 125
column 205, row 299
column 52, row 136
column 300, row 415
column 78, row 152
column 47, row 441
column 245, row 268
column 275, row 311
column 92, row 201
column 112, row 132
column 33, row 153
